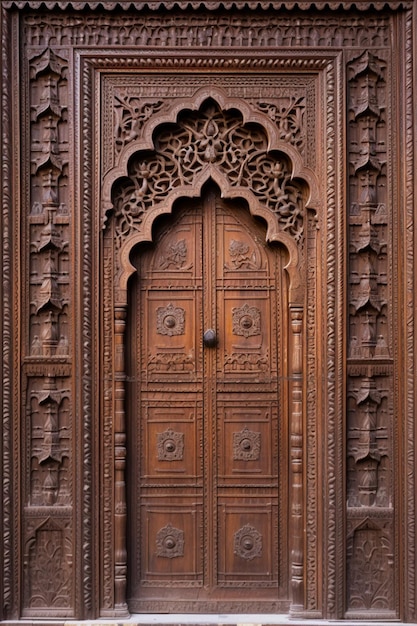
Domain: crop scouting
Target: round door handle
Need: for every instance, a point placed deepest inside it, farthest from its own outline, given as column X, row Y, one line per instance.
column 210, row 338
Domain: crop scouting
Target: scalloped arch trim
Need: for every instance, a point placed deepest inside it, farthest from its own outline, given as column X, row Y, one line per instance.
column 361, row 5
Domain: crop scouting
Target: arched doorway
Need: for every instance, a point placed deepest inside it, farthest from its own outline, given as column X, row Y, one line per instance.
column 207, row 413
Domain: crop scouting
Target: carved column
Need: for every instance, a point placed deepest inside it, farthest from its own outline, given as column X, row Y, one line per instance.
column 120, row 511
column 296, row 461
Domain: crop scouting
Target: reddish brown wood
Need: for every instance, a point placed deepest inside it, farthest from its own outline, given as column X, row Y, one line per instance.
column 209, row 422
column 208, row 222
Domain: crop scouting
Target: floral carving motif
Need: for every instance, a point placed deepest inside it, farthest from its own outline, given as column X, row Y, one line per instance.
column 174, row 256
column 170, row 446
column 170, row 320
column 248, row 543
column 131, row 114
column 246, row 445
column 241, row 256
column 216, row 138
column 246, row 321
column 170, row 542
column 288, row 115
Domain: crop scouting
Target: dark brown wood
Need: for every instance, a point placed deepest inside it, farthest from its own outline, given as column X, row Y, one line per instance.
column 208, row 278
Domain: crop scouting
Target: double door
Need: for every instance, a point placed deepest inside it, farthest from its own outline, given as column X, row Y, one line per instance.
column 207, row 453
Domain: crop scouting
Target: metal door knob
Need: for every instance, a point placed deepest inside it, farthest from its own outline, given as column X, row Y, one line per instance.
column 210, row 338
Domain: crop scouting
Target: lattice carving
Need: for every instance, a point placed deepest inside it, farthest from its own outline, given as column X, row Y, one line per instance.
column 170, row 542
column 209, row 137
column 247, row 542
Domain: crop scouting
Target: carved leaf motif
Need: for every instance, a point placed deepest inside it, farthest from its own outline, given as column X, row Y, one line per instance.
column 248, row 543
column 246, row 445
column 170, row 446
column 170, row 542
column 170, row 320
column 246, row 320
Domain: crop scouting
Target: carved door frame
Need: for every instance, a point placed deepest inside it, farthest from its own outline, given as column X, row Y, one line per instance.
column 356, row 324
column 138, row 202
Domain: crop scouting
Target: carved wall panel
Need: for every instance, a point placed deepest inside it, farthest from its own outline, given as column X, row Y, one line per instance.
column 112, row 117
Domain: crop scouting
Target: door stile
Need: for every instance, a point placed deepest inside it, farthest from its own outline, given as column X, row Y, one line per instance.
column 209, row 388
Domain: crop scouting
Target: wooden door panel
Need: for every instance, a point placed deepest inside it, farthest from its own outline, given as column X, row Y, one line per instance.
column 171, row 434
column 208, row 426
column 247, row 441
column 248, row 542
column 171, row 550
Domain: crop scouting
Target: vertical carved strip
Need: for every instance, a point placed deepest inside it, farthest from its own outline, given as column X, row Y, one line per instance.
column 370, row 557
column 87, row 355
column 410, row 321
column 296, row 463
column 333, row 532
column 7, row 603
column 120, row 512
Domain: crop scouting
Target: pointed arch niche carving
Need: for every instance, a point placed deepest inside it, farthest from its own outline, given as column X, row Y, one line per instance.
column 210, row 137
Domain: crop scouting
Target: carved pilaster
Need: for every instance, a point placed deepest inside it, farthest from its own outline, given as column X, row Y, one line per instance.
column 48, row 581
column 296, row 463
column 370, row 462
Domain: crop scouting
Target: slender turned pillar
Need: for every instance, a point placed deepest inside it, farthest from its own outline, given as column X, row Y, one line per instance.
column 120, row 510
column 296, row 462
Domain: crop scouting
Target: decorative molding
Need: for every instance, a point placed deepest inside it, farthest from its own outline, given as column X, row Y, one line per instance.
column 277, row 5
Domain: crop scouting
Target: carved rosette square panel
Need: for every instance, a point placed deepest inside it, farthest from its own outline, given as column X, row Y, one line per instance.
column 170, row 320
column 248, row 543
column 246, row 321
column 246, row 445
column 170, row 446
column 170, row 542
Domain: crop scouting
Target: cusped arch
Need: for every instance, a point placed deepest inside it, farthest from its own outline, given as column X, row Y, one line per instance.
column 210, row 137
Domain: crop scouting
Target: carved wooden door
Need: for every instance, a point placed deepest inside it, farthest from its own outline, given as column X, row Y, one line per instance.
column 207, row 417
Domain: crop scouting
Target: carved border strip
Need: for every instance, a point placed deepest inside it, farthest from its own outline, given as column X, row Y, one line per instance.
column 8, row 522
column 334, row 365
column 362, row 5
column 409, row 318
